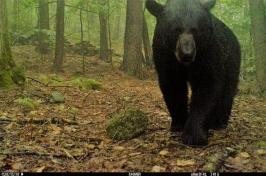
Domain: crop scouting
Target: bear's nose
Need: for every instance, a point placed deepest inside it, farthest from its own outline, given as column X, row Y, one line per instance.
column 186, row 48
column 187, row 44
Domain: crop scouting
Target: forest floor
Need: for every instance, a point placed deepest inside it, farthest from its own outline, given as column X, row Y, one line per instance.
column 53, row 138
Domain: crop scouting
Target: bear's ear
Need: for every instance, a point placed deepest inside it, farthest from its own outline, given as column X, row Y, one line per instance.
column 208, row 4
column 154, row 8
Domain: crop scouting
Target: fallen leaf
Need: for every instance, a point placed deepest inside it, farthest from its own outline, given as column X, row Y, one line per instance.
column 39, row 169
column 119, row 148
column 244, row 155
column 158, row 169
column 91, row 146
column 261, row 152
column 56, row 130
column 68, row 154
column 17, row 166
column 164, row 153
column 185, row 162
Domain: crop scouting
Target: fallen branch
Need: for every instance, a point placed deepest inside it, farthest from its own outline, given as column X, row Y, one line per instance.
column 30, row 153
column 47, row 85
column 38, row 121
column 37, row 81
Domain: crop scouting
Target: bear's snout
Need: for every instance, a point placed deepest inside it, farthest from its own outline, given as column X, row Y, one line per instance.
column 186, row 49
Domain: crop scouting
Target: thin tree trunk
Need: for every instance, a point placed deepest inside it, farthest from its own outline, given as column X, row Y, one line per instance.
column 104, row 49
column 133, row 56
column 15, row 16
column 109, row 35
column 258, row 23
column 60, row 28
column 82, row 40
column 117, row 26
column 147, row 44
column 43, row 25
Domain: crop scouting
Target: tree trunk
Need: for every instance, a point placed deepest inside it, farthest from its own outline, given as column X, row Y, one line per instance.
column 43, row 25
column 15, row 16
column 104, row 49
column 117, row 26
column 258, row 23
column 147, row 44
column 60, row 28
column 82, row 39
column 133, row 56
column 9, row 73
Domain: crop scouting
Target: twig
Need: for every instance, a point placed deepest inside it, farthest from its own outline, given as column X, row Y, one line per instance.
column 37, row 81
column 39, row 121
column 47, row 85
column 29, row 153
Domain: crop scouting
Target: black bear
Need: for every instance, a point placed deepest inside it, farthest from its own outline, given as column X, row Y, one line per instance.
column 193, row 47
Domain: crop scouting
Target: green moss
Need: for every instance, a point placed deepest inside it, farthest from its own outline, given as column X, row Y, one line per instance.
column 260, row 144
column 86, row 84
column 6, row 81
column 52, row 79
column 127, row 124
column 18, row 75
column 27, row 103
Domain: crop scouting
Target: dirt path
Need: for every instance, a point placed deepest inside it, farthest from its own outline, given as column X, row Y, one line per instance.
column 51, row 138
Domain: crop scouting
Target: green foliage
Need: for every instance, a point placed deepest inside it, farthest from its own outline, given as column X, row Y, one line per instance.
column 86, row 84
column 127, row 124
column 27, row 103
column 6, row 81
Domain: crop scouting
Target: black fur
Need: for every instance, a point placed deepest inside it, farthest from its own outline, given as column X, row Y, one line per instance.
column 213, row 75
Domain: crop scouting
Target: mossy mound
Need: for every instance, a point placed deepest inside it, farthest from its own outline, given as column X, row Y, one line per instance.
column 11, row 77
column 127, row 124
column 86, row 84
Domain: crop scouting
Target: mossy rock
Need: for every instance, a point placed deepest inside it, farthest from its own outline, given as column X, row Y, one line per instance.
column 57, row 97
column 127, row 124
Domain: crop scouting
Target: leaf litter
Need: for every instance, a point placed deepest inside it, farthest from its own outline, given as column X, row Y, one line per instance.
column 71, row 136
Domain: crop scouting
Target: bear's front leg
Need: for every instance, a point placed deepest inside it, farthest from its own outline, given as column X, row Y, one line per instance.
column 176, row 99
column 204, row 97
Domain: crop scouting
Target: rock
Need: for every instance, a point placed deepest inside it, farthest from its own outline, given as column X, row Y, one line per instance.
column 57, row 97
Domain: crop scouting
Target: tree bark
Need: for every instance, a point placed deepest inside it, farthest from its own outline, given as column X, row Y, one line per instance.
column 117, row 26
column 147, row 45
column 104, row 49
column 82, row 39
column 43, row 25
column 258, row 23
column 60, row 28
column 133, row 56
column 15, row 16
column 9, row 73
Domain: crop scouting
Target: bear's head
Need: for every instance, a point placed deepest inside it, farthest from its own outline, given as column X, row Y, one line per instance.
column 185, row 26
